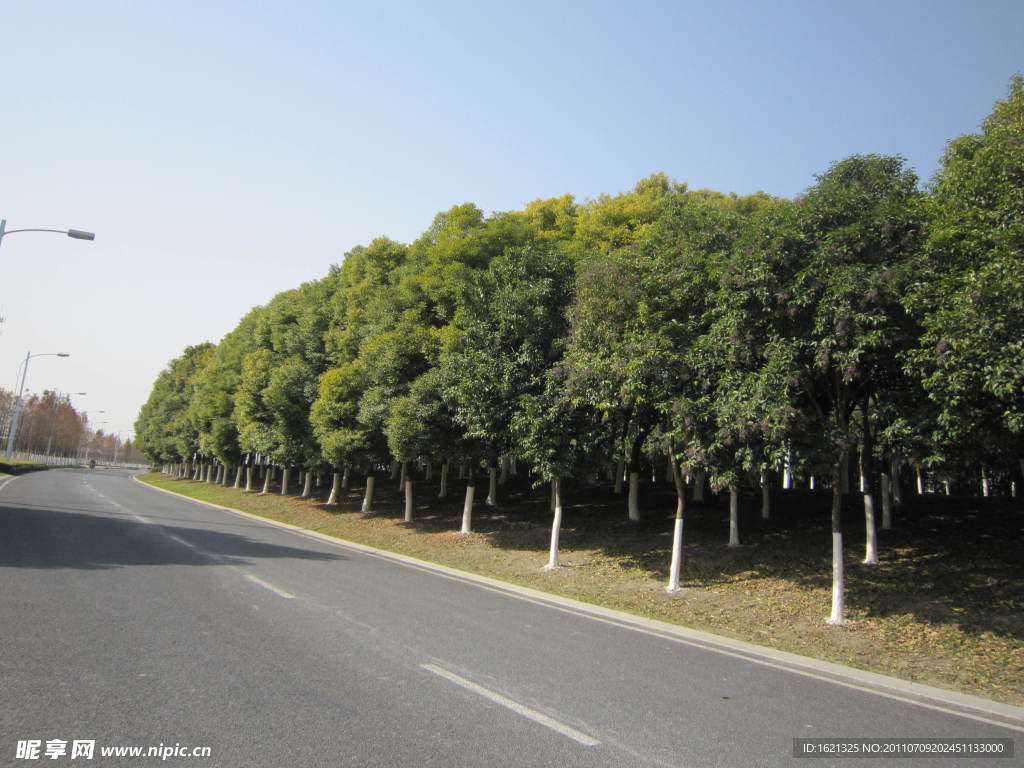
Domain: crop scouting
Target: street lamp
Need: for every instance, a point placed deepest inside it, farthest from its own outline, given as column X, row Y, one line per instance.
column 16, row 413
column 77, row 234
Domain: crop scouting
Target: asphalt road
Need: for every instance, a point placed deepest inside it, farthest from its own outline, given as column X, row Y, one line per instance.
column 129, row 617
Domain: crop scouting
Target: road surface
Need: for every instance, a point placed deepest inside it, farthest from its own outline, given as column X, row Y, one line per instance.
column 131, row 617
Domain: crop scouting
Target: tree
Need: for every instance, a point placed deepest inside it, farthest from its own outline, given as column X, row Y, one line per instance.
column 164, row 432
column 969, row 296
column 833, row 272
column 511, row 321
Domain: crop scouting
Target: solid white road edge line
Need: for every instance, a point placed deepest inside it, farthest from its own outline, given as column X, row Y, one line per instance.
column 519, row 709
column 926, row 696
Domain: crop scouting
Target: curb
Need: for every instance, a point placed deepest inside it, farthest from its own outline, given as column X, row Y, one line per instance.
column 952, row 702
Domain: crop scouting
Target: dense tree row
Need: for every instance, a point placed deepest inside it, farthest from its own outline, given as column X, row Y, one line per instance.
column 866, row 329
column 49, row 426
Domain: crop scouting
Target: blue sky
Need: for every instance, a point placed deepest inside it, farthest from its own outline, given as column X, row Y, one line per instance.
column 225, row 151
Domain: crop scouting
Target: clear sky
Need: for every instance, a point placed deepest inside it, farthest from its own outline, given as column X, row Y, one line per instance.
column 226, row 151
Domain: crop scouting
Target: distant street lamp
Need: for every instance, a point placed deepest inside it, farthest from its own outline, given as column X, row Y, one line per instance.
column 77, row 234
column 16, row 413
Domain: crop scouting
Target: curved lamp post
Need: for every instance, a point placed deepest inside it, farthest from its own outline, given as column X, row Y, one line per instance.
column 77, row 234
column 16, row 413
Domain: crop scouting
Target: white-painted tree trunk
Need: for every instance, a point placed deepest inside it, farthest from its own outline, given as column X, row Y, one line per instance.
column 403, row 474
column 503, row 477
column 766, row 496
column 444, row 480
column 467, row 509
column 368, row 496
column 307, row 487
column 556, row 524
column 787, row 472
column 248, row 479
column 948, row 486
column 838, row 609
column 986, row 484
column 267, row 477
column 886, row 502
column 677, row 530
column 285, row 476
column 344, row 479
column 633, row 507
column 620, row 469
column 838, row 615
column 920, row 481
column 870, row 535
column 408, row 500
column 698, row 484
column 734, row 515
column 492, row 486
column 332, row 499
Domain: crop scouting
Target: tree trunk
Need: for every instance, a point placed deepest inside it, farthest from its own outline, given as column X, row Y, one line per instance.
column 403, row 474
column 787, row 471
column 307, row 487
column 986, row 484
column 467, row 506
column 620, row 470
column 886, row 503
column 867, row 487
column 284, row 480
column 894, row 479
column 698, row 485
column 633, row 507
column 844, row 477
column 408, row 499
column 248, row 479
column 492, row 492
column 503, row 477
column 734, row 514
column 332, row 500
column 766, row 496
column 368, row 496
column 428, row 473
column 444, row 480
column 344, row 479
column 677, row 530
column 556, row 524
column 838, row 611
column 920, row 480
column 268, row 476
